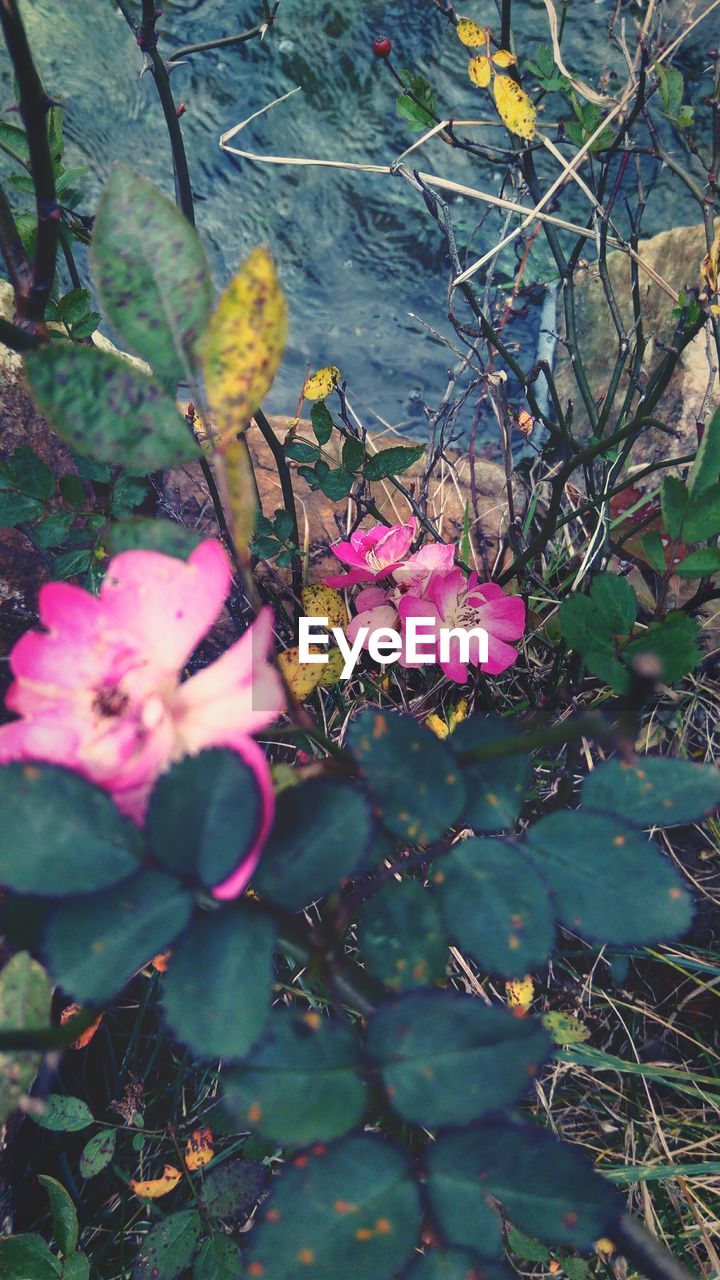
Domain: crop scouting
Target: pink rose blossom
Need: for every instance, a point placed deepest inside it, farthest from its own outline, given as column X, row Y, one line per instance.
column 376, row 609
column 454, row 601
column 99, row 690
column 415, row 574
column 372, row 553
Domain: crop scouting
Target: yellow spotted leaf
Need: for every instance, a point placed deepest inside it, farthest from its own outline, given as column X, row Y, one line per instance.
column 324, row 602
column 479, row 70
column 520, row 993
column 514, row 107
column 234, row 471
column 332, row 669
column 244, row 343
column 300, row 677
column 71, row 1011
column 471, row 33
column 437, row 725
column 459, row 713
column 200, row 1149
column 503, row 58
column 710, row 267
column 320, row 384
column 157, row 1187
column 565, row 1029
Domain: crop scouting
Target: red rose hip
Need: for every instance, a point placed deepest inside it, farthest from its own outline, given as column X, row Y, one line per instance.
column 382, row 47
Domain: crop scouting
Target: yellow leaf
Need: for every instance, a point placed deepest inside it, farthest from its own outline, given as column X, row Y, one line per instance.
column 520, row 993
column 471, row 33
column 200, row 1149
column 514, row 107
column 157, row 1187
column 503, row 58
column 437, row 726
column 244, row 343
column 605, row 1246
column 459, row 714
column 332, row 669
column 240, row 491
column 320, row 384
column 300, row 677
column 71, row 1011
column 324, row 602
column 710, row 266
column 564, row 1028
column 479, row 71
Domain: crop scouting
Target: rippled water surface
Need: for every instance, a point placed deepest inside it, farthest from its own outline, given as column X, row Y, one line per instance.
column 358, row 254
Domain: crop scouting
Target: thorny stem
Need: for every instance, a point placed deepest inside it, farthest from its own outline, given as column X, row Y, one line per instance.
column 288, row 496
column 227, row 42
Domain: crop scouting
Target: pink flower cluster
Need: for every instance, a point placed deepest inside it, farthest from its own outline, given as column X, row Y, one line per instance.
column 99, row 690
column 426, row 584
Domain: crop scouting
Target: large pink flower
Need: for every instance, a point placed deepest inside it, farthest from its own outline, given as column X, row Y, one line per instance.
column 372, row 554
column 99, row 690
column 415, row 574
column 454, row 601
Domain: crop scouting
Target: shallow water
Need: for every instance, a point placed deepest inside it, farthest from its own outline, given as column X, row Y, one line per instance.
column 358, row 254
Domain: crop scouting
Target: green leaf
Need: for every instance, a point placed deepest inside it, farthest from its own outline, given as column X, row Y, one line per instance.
column 699, row 564
column 27, row 1257
column 97, row 1153
column 526, row 1247
column 412, row 776
column 322, row 423
column 447, row 1059
column 104, row 406
column 674, row 499
column 614, row 599
column 15, row 508
column 402, row 936
column 301, row 1082
column 204, row 814
column 30, row 474
column 218, row 1258
column 672, row 642
column 672, row 88
column 231, row 1189
column 654, row 549
column 64, row 1215
column 590, row 859
column 321, row 834
column 73, row 491
column 76, row 1267
column 63, row 1114
column 128, row 492
column 168, row 1248
column 703, row 518
column 94, row 945
column 298, row 451
column 564, row 1028
column 337, row 484
column 392, row 461
column 216, row 993
column 60, row 834
column 151, row 535
column 456, row 1264
column 353, row 453
column 353, row 1201
column 653, row 790
column 151, row 274
column 705, row 469
column 25, row 999
column 547, row 1188
column 495, row 788
column 458, row 1201
column 52, row 531
column 417, row 106
column 496, row 906
column 13, row 141
column 582, row 628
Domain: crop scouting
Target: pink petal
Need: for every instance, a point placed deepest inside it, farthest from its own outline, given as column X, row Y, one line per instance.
column 342, row 580
column 370, row 598
column 395, row 544
column 383, row 615
column 500, row 656
column 503, row 617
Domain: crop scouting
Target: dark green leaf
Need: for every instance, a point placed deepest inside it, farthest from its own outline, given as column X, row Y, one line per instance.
column 353, row 453
column 168, row 1248
column 322, row 423
column 654, row 790
column 456, row 1264
column 52, row 531
column 231, row 1189
column 337, row 484
column 97, row 1153
column 615, row 601
column 204, row 814
column 672, row 88
column 71, row 563
column 706, row 467
column 353, row 1201
column 392, row 461
column 60, row 834
column 30, row 474
column 283, row 523
column 76, row 1267
column 703, row 519
column 64, row 1216
column 25, row 1000
column 128, row 492
column 412, row 776
column 218, row 1258
column 15, row 508
column 674, row 497
column 103, row 405
column 322, row 831
column 672, row 642
column 699, row 564
column 298, row 451
column 546, row 1187
column 654, row 550
column 217, row 991
column 402, row 936
column 590, row 859
column 495, row 788
column 447, row 1059
column 151, row 535
column 14, row 141
column 27, row 1257
column 74, row 305
column 301, row 1082
column 63, row 1114
column 73, row 491
column 525, row 1247
column 152, row 274
column 496, row 906
column 459, row 1202
column 93, row 946
column 581, row 627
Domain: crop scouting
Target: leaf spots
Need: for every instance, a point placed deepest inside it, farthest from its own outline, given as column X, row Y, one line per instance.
column 379, row 727
column 31, row 773
column 319, row 385
column 157, row 1187
column 200, row 1149
column 272, row 1215
column 675, row 894
column 570, row 1219
column 345, row 1206
column 319, row 1149
column 619, row 841
column 364, row 1233
column 300, row 1162
column 312, row 1020
column 471, row 34
column 515, row 109
column 306, row 1256
column 492, row 799
column 254, row 1113
column 383, row 1227
column 256, row 1269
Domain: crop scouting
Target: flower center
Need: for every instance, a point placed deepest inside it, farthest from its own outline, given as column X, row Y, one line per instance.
column 374, row 561
column 110, row 702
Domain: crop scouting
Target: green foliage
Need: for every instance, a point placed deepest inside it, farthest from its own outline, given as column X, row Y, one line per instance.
column 545, row 71
column 455, row 1264
column 402, row 936
column 63, row 1114
column 106, row 407
column 217, row 992
column 447, row 1059
column 705, row 469
column 230, row 1190
column 152, row 275
column 301, row 1083
column 392, row 461
column 169, row 1247
column 272, row 540
column 61, row 835
column 218, row 1258
column 97, row 1153
column 322, row 423
column 28, row 1258
column 150, row 535
column 25, row 998
column 587, row 118
column 654, row 790
column 412, row 776
column 672, row 92
column 495, row 788
column 417, row 106
column 64, row 1216
column 354, row 1200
